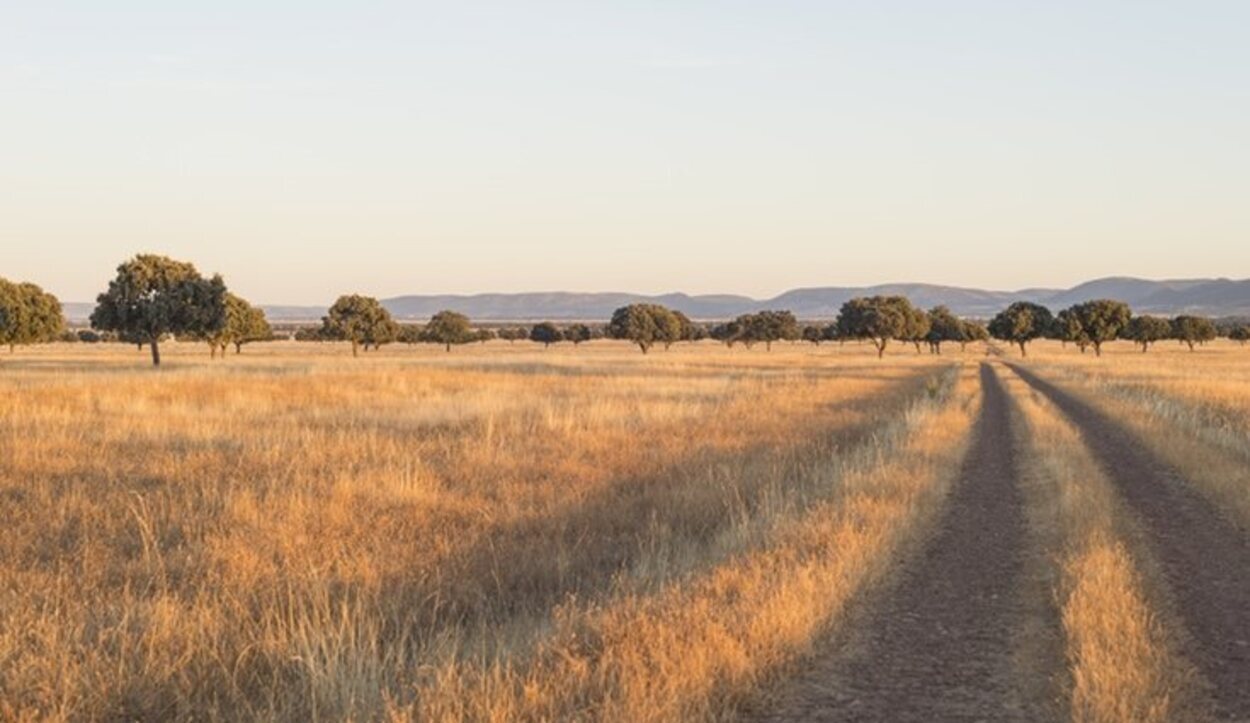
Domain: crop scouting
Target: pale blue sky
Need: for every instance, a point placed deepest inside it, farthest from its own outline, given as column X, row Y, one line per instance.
column 307, row 149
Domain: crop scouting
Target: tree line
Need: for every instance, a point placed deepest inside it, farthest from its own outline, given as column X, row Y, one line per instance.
column 1094, row 323
column 153, row 298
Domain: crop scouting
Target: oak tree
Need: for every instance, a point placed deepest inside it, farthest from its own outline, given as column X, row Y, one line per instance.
column 578, row 333
column 1101, row 321
column 944, row 326
column 645, row 325
column 1146, row 330
column 28, row 315
column 447, row 328
column 1021, row 323
column 1192, row 330
column 356, row 319
column 876, row 318
column 546, row 333
column 154, row 296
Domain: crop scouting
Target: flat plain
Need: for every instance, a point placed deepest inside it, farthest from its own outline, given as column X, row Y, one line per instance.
column 505, row 532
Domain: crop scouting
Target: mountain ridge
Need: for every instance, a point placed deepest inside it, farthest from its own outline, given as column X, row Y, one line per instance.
column 1216, row 297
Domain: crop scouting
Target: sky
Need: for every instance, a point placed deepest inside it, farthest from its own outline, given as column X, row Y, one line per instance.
column 307, row 149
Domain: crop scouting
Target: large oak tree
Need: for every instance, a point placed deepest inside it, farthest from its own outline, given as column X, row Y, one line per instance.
column 155, row 296
column 1021, row 323
column 876, row 318
column 645, row 325
column 359, row 320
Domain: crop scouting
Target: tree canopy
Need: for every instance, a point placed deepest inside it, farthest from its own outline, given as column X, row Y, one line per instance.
column 944, row 326
column 645, row 325
column 546, row 333
column 1099, row 321
column 973, row 331
column 876, row 318
column 28, row 315
column 244, row 323
column 154, row 296
column 1066, row 327
column 359, row 320
column 1146, row 330
column 447, row 328
column 1193, row 330
column 578, row 333
column 768, row 327
column 1021, row 323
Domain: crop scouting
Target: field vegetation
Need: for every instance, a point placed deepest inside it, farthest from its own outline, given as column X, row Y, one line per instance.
column 300, row 535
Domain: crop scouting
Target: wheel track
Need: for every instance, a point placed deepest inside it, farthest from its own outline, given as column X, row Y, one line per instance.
column 939, row 643
column 1204, row 557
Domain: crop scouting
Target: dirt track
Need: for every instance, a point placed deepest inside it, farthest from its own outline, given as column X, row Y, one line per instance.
column 1204, row 557
column 938, row 643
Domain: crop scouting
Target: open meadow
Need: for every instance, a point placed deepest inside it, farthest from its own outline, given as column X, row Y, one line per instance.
column 506, row 532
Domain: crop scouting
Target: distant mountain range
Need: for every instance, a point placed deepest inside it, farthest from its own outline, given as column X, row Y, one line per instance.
column 1211, row 297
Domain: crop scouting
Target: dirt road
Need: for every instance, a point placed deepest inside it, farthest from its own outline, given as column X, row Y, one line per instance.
column 938, row 643
column 1204, row 557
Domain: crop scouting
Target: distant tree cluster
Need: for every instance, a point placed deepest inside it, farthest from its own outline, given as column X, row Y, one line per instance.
column 153, row 298
column 762, row 327
column 28, row 315
column 1094, row 323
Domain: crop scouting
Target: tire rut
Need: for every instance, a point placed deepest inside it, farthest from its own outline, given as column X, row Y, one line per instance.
column 1204, row 558
column 939, row 642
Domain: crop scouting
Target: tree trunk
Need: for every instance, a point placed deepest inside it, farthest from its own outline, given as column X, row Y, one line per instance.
column 355, row 348
column 1191, row 345
column 880, row 348
column 1023, row 352
column 156, row 353
column 768, row 345
column 212, row 351
column 1097, row 349
column 449, row 347
column 238, row 347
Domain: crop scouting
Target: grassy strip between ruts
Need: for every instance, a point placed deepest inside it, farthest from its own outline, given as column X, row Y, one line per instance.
column 1122, row 667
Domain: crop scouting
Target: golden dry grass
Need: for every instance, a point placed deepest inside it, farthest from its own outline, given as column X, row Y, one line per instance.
column 1122, row 667
column 493, row 533
column 1192, row 409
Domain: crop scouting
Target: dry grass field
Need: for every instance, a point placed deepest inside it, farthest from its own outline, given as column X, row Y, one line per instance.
column 509, row 533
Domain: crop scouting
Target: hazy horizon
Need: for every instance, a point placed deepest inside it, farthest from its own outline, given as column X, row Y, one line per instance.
column 700, row 147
